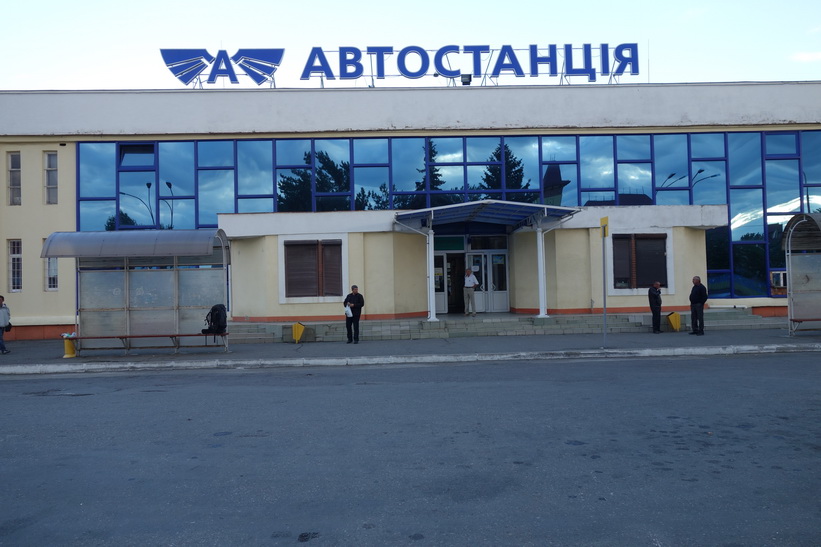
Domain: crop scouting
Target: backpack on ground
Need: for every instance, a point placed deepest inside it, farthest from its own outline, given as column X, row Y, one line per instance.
column 217, row 320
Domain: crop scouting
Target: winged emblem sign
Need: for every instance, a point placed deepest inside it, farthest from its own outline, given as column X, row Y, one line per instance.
column 188, row 65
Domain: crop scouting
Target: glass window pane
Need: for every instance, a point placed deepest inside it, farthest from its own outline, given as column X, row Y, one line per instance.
column 408, row 164
column 333, row 166
column 255, row 205
column 596, row 162
column 447, row 178
column 371, row 188
column 671, row 165
column 559, row 149
column 719, row 285
column 707, row 145
column 598, row 198
column 812, row 199
column 560, row 185
column 744, row 157
column 294, row 190
column 523, row 155
column 482, row 149
column 97, row 170
column 780, row 143
column 783, row 188
column 775, row 231
column 446, row 150
column 136, row 155
column 177, row 213
column 633, row 147
column 370, row 151
column 718, row 248
column 138, row 197
column 216, row 195
column 96, row 216
column 635, row 184
column 673, row 197
column 811, row 157
column 177, row 168
column 746, row 217
column 255, row 167
column 439, row 199
column 709, row 183
column 749, row 270
column 293, row 152
column 484, row 177
column 523, row 197
column 333, row 203
column 215, row 153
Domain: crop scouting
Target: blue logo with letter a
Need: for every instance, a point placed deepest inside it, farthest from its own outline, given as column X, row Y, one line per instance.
column 189, row 64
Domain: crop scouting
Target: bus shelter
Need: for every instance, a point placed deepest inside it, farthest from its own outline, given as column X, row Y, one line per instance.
column 802, row 244
column 143, row 282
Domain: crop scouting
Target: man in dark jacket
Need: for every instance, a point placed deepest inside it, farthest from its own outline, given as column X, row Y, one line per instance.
column 698, row 297
column 654, row 295
column 355, row 302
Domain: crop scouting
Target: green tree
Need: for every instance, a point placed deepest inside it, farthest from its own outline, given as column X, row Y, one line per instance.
column 514, row 172
column 434, row 182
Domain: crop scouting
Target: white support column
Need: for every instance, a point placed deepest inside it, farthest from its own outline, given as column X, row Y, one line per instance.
column 431, row 279
column 541, row 272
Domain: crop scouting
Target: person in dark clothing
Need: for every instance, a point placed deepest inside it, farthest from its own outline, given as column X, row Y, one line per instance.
column 355, row 302
column 654, row 295
column 698, row 297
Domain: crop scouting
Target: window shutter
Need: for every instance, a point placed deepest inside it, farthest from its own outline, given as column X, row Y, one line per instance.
column 332, row 267
column 301, row 269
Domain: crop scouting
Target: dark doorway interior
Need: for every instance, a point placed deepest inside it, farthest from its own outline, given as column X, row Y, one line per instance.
column 456, row 281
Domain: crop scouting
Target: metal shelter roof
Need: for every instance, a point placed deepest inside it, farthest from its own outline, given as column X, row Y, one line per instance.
column 806, row 232
column 132, row 243
column 488, row 211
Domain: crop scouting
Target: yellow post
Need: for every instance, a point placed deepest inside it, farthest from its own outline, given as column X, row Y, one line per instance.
column 297, row 330
column 69, row 349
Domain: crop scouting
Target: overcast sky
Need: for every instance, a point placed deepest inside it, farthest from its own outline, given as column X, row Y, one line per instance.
column 100, row 44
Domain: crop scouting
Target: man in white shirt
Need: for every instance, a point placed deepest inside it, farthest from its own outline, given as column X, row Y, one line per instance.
column 470, row 286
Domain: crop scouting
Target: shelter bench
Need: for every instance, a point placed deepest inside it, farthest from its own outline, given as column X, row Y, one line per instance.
column 795, row 323
column 127, row 338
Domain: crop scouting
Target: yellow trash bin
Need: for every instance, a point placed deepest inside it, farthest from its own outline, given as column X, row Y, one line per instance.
column 297, row 329
column 68, row 349
column 674, row 319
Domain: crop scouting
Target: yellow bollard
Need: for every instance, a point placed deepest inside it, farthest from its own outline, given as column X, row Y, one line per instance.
column 69, row 349
column 297, row 330
column 675, row 321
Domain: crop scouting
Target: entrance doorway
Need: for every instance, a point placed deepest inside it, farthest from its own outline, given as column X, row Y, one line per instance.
column 489, row 267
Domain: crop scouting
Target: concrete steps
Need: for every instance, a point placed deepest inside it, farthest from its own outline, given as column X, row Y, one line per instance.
column 499, row 324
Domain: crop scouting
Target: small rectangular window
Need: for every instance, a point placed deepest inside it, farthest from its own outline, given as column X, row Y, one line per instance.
column 51, row 273
column 14, row 177
column 313, row 268
column 15, row 247
column 639, row 260
column 51, row 177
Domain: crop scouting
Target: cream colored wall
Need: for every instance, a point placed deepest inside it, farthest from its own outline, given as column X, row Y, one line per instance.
column 32, row 223
column 388, row 267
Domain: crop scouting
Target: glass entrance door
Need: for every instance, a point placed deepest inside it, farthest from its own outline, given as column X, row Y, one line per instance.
column 490, row 268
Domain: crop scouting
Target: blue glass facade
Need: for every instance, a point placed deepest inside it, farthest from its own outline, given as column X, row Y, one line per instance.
column 763, row 177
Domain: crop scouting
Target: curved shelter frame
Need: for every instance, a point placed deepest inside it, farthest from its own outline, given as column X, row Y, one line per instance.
column 144, row 282
column 802, row 244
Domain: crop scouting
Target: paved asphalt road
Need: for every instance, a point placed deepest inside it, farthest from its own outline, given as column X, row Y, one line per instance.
column 696, row 450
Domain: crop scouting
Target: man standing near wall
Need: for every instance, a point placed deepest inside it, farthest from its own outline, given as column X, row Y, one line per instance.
column 5, row 320
column 353, row 302
column 470, row 288
column 698, row 297
column 654, row 295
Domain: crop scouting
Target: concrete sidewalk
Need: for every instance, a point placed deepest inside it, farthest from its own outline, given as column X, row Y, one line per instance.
column 46, row 357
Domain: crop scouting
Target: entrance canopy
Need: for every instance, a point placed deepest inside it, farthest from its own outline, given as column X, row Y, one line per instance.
column 133, row 243
column 489, row 211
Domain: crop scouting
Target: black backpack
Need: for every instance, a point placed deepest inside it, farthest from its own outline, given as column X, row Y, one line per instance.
column 217, row 320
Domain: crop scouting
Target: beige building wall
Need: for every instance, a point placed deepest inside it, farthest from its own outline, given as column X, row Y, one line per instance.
column 38, row 311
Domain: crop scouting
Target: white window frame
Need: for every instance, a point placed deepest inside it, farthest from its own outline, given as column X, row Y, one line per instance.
column 14, row 179
column 311, row 299
column 51, row 277
column 15, row 250
column 50, row 177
